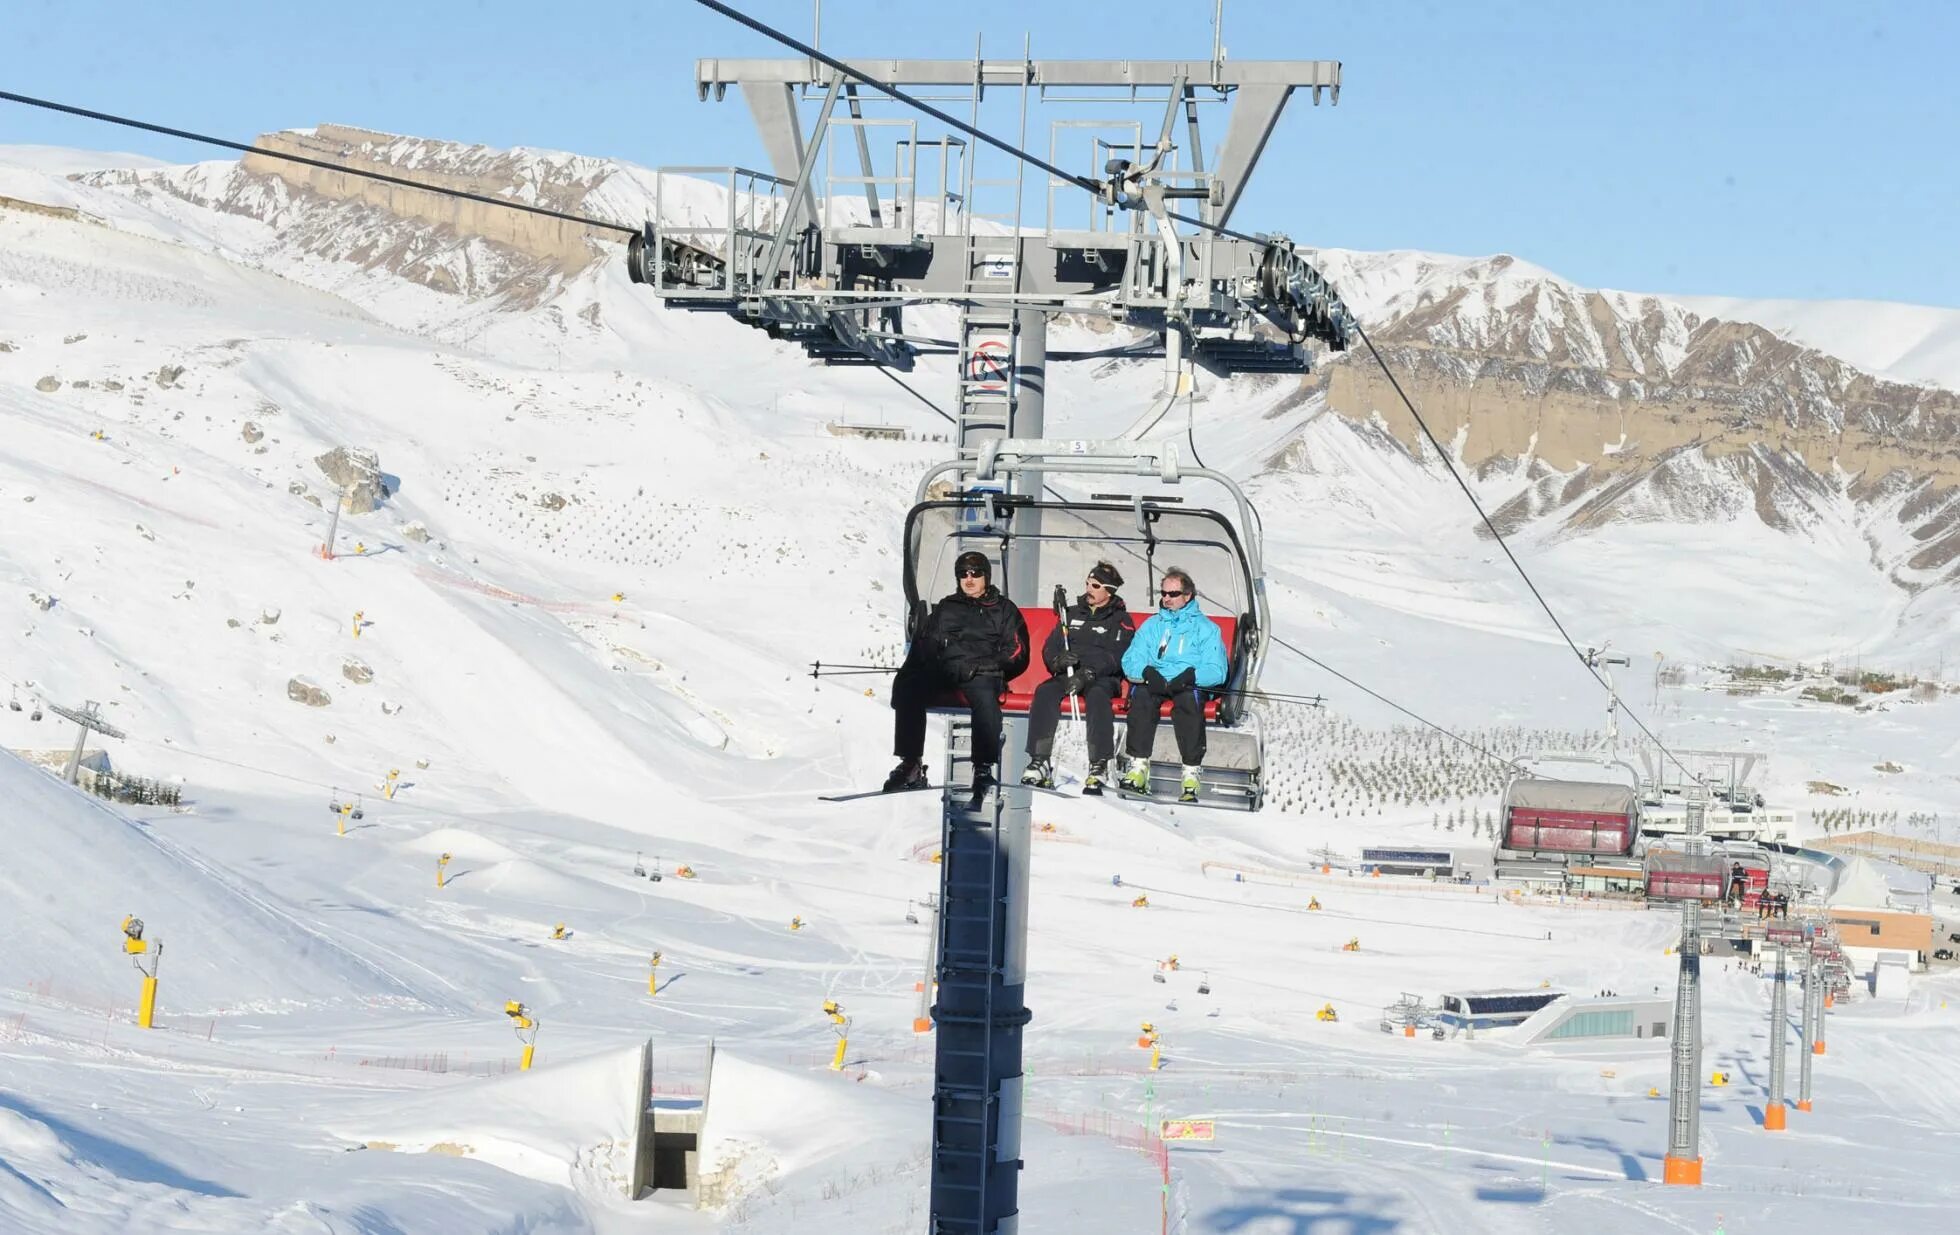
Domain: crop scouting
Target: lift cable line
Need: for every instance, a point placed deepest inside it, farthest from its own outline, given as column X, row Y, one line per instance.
column 246, row 148
column 1585, row 659
column 1101, row 190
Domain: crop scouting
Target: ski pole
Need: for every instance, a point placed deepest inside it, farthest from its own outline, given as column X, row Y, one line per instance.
column 1061, row 624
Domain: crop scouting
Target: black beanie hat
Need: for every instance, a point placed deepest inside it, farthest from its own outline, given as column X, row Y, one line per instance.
column 1107, row 575
column 971, row 560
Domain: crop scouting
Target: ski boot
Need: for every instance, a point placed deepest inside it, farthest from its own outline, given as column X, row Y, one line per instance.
column 909, row 774
column 983, row 781
column 1136, row 777
column 1092, row 784
column 1040, row 774
column 1188, row 790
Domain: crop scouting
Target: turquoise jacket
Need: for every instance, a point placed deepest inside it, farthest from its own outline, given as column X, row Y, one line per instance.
column 1174, row 640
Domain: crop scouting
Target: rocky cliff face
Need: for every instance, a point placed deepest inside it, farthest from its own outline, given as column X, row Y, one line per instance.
column 1612, row 407
column 445, row 243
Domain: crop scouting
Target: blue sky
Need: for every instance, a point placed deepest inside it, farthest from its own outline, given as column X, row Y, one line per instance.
column 1754, row 149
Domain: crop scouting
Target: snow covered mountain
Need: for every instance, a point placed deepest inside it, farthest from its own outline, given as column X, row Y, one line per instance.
column 1601, row 408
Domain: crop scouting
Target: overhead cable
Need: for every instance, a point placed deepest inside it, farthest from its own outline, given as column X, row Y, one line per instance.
column 245, row 148
column 1096, row 187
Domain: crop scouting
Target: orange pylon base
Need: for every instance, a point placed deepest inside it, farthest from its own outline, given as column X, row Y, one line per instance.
column 1408, row 1031
column 1774, row 1117
column 1817, row 1048
column 1803, row 1104
column 1681, row 1171
column 918, row 987
column 1830, row 1000
column 921, row 1024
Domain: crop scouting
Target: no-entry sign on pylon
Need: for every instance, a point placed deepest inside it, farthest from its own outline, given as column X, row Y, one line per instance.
column 989, row 365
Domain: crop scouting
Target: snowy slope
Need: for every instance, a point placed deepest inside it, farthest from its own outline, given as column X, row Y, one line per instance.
column 320, row 992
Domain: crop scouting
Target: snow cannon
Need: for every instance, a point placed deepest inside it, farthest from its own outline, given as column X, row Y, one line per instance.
column 1327, row 1013
column 842, row 1024
column 525, row 1026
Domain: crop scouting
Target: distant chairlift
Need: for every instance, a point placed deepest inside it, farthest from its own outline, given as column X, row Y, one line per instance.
column 351, row 809
column 1545, row 818
column 1144, row 534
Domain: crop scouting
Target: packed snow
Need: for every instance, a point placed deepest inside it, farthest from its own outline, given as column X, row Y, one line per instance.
column 612, row 541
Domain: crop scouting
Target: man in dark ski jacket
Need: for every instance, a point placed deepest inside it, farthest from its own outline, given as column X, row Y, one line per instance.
column 974, row 640
column 1087, row 661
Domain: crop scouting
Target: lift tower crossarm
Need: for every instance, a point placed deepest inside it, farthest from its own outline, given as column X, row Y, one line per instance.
column 714, row 74
column 770, row 86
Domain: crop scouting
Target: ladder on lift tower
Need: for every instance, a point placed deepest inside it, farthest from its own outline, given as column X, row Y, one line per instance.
column 975, row 1050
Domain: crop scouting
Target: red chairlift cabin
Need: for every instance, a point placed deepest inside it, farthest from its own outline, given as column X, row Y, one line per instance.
column 1546, row 818
column 1143, row 536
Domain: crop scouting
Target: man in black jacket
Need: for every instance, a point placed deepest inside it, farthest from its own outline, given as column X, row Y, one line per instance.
column 974, row 641
column 1086, row 661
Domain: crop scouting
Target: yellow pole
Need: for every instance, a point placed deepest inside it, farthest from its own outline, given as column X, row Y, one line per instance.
column 340, row 822
column 146, row 1012
column 837, row 1060
column 524, row 1060
column 653, row 975
column 1156, row 1056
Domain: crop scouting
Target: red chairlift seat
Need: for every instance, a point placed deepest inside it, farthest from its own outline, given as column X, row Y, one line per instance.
column 1019, row 695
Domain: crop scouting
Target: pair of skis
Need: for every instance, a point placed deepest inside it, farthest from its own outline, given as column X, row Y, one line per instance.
column 1128, row 795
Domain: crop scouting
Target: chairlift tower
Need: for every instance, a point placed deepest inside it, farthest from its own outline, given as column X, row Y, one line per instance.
column 832, row 261
column 1774, row 1116
column 1683, row 1162
column 89, row 718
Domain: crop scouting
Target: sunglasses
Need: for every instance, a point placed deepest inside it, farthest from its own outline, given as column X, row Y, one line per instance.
column 1094, row 586
column 1171, row 592
column 972, row 573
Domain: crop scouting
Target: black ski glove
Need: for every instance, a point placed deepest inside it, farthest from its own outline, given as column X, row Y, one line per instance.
column 1185, row 680
column 1066, row 659
column 1154, row 680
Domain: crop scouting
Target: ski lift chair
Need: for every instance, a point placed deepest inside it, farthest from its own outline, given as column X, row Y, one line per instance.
column 1143, row 535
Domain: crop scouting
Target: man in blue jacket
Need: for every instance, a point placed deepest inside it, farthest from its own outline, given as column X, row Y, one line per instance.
column 1177, row 653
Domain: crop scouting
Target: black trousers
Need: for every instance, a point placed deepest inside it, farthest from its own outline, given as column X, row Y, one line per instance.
column 1187, row 718
column 1045, row 712
column 917, row 683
